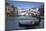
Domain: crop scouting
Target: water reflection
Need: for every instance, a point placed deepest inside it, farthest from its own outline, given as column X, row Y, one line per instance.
column 13, row 22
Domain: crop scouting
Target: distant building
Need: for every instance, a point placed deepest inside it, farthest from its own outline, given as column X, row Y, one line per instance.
column 10, row 10
column 33, row 11
column 41, row 10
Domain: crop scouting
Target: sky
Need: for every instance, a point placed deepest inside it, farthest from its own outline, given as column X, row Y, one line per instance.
column 22, row 4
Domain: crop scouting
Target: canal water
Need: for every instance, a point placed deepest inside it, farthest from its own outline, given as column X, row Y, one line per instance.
column 12, row 23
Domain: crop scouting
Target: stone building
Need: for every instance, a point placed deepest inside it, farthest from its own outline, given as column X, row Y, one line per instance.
column 10, row 10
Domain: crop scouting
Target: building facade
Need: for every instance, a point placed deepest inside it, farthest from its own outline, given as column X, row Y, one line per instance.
column 10, row 10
